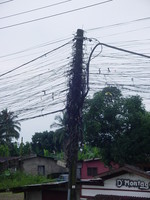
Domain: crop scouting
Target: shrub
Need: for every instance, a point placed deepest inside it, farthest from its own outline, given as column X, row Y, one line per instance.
column 17, row 179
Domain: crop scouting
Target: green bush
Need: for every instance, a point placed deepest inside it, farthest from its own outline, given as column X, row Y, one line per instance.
column 10, row 180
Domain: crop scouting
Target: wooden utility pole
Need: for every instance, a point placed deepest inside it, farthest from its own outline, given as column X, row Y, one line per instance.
column 75, row 99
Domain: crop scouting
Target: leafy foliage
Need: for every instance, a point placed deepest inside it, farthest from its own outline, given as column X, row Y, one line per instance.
column 88, row 152
column 4, row 151
column 9, row 130
column 53, row 142
column 60, row 135
column 133, row 146
column 17, row 179
column 41, row 141
column 119, row 126
column 9, row 127
column 25, row 149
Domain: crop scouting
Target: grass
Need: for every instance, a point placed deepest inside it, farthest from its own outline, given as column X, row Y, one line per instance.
column 11, row 196
column 10, row 180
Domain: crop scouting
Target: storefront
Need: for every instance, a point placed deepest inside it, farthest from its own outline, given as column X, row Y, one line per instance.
column 121, row 184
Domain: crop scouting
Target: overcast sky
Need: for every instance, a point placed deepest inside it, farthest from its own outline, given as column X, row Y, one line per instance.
column 30, row 28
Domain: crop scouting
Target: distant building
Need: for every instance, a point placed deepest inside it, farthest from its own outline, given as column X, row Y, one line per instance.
column 90, row 168
column 40, row 165
column 35, row 165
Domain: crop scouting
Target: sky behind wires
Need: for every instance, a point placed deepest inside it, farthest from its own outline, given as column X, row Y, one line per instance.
column 45, row 29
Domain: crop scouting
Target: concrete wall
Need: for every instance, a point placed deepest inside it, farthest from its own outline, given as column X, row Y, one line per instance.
column 54, row 194
column 33, row 195
column 31, row 165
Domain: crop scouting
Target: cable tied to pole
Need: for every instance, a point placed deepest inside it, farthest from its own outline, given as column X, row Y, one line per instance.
column 109, row 46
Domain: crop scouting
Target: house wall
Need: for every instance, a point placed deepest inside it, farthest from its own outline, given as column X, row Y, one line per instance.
column 11, row 163
column 92, row 163
column 54, row 195
column 33, row 195
column 110, row 187
column 31, row 166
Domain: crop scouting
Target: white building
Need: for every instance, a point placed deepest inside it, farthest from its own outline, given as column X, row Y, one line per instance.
column 124, row 183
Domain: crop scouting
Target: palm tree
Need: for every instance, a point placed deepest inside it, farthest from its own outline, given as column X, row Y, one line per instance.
column 9, row 127
column 59, row 137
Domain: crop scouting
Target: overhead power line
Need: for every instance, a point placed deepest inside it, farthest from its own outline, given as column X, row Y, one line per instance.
column 40, row 88
column 29, row 11
column 35, row 47
column 54, row 15
column 127, row 51
column 42, row 115
column 43, row 55
column 6, row 1
column 118, row 24
column 116, row 48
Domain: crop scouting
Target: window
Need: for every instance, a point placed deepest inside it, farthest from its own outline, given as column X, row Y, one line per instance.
column 91, row 171
column 41, row 170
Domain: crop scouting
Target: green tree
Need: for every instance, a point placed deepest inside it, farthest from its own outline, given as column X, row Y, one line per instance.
column 133, row 146
column 59, row 136
column 42, row 141
column 47, row 143
column 88, row 152
column 9, row 127
column 114, row 124
column 4, row 151
column 14, row 149
column 25, row 149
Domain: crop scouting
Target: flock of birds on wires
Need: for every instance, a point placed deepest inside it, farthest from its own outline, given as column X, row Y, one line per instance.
column 39, row 86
